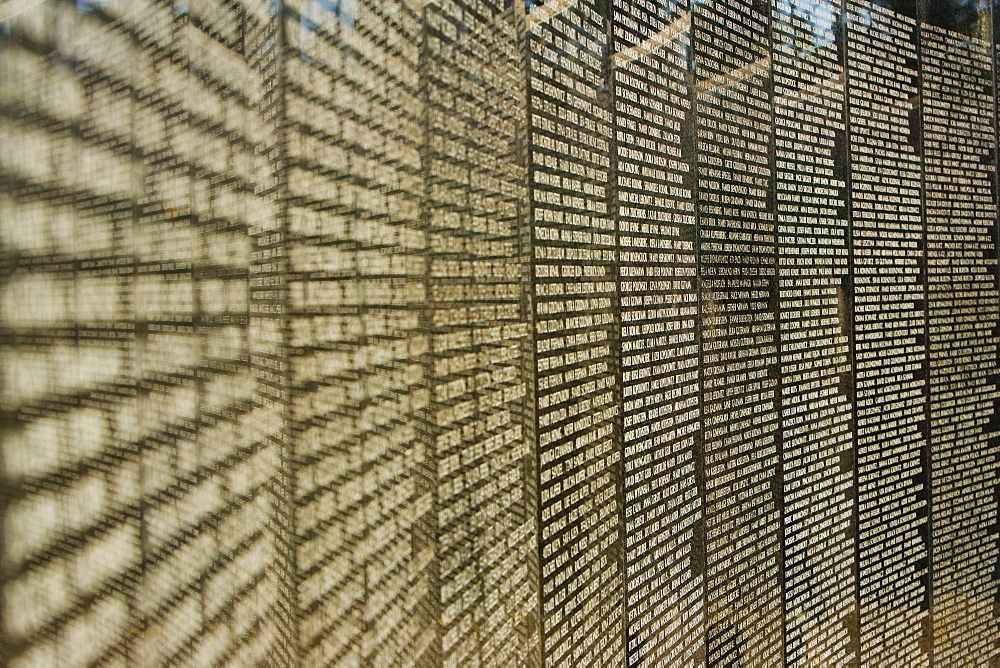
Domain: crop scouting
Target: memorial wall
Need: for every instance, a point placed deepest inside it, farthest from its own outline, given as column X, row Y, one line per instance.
column 497, row 333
